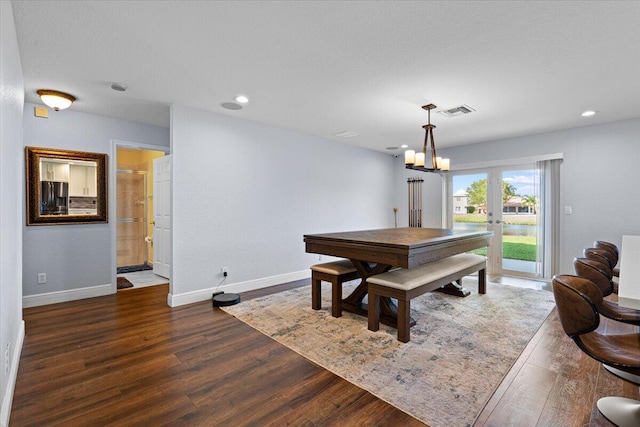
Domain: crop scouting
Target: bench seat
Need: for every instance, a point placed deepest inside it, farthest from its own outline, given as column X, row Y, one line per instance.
column 336, row 273
column 405, row 284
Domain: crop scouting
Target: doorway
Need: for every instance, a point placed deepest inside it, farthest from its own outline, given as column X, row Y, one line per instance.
column 134, row 217
column 505, row 200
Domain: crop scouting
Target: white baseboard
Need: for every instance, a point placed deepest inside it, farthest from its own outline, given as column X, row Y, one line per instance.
column 66, row 295
column 175, row 300
column 5, row 411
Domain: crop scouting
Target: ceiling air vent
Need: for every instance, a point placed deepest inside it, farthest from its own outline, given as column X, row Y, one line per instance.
column 457, row 111
column 346, row 134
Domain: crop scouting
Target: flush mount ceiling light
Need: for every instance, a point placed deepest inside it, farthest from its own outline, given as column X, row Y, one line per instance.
column 588, row 113
column 56, row 100
column 416, row 161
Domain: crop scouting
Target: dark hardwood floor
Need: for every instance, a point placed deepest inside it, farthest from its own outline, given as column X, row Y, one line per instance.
column 129, row 359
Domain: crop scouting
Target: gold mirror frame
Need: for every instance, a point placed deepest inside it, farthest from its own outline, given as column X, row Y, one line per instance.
column 34, row 155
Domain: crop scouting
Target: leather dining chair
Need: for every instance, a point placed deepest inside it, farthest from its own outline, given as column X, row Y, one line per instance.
column 576, row 302
column 600, row 244
column 602, row 255
column 600, row 275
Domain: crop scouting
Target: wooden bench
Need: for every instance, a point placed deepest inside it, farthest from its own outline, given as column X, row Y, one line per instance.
column 336, row 273
column 405, row 284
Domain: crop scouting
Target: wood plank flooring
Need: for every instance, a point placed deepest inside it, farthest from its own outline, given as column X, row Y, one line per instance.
column 129, row 359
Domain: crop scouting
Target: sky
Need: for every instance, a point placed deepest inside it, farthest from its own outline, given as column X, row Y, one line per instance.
column 522, row 180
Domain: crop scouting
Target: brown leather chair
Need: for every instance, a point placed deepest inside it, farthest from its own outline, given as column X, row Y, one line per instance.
column 602, row 255
column 600, row 244
column 576, row 302
column 600, row 275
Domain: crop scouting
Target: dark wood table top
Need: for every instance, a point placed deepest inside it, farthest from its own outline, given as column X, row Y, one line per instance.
column 397, row 247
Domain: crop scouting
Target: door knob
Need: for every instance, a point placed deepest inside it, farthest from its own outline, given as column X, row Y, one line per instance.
column 498, row 221
column 490, row 221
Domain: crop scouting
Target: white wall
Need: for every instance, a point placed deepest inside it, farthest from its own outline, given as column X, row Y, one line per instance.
column 77, row 258
column 432, row 188
column 600, row 179
column 244, row 194
column 11, row 212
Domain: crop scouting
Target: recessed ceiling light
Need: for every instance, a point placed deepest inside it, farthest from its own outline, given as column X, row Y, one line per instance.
column 231, row 106
column 404, row 146
column 346, row 134
column 119, row 87
column 242, row 99
column 588, row 113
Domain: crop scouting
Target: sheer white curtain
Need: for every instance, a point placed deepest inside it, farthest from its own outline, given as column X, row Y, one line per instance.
column 548, row 216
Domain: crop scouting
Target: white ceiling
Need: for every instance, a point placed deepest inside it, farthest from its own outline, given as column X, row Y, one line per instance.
column 330, row 66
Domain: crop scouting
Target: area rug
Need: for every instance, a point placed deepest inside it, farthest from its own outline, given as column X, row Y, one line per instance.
column 133, row 268
column 460, row 348
column 124, row 283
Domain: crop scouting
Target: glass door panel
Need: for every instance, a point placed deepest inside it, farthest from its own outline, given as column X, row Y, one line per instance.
column 131, row 219
column 517, row 221
column 469, row 204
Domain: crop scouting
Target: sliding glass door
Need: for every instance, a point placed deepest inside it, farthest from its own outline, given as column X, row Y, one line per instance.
column 516, row 222
column 504, row 200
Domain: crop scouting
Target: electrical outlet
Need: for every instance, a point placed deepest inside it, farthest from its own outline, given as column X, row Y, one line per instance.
column 319, row 257
column 225, row 271
column 42, row 278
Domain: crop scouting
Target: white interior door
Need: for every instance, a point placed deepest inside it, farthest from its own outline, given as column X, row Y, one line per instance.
column 162, row 216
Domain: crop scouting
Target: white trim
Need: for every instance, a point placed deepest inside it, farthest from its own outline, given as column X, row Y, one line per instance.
column 507, row 162
column 67, row 295
column 139, row 146
column 249, row 285
column 5, row 412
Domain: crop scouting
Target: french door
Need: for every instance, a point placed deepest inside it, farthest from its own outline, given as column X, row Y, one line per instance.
column 505, row 200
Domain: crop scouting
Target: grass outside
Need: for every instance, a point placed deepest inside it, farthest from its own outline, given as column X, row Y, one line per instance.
column 520, row 219
column 515, row 247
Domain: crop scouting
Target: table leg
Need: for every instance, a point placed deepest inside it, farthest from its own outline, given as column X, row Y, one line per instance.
column 454, row 288
column 354, row 302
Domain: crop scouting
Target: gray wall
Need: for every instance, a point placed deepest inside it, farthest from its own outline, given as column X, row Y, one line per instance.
column 75, row 256
column 244, row 194
column 11, row 211
column 600, row 179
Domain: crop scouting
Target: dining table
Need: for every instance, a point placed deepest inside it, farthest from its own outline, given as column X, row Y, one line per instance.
column 377, row 251
column 629, row 280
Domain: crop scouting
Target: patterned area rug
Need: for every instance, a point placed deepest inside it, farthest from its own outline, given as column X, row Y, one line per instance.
column 460, row 349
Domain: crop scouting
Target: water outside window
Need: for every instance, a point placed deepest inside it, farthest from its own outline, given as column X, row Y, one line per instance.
column 504, row 201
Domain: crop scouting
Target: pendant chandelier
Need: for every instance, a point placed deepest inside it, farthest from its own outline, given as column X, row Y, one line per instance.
column 421, row 161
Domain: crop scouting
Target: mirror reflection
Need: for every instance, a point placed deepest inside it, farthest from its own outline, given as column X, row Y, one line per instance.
column 68, row 187
column 65, row 186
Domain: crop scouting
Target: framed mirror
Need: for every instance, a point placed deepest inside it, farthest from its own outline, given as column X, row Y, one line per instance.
column 65, row 187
